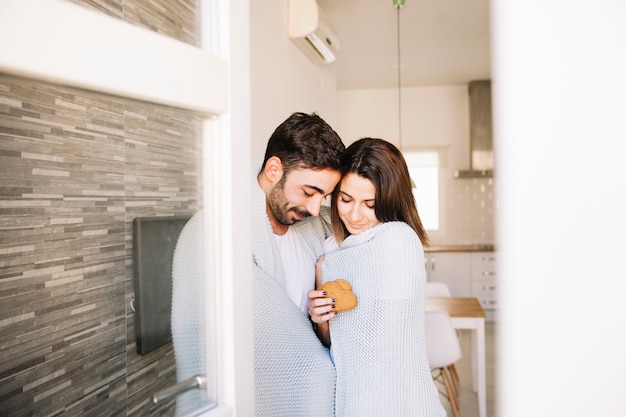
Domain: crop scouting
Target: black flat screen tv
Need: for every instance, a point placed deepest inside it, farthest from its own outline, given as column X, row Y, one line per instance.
column 154, row 242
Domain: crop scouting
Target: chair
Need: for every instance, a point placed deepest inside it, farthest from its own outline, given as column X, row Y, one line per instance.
column 440, row 289
column 443, row 350
column 437, row 289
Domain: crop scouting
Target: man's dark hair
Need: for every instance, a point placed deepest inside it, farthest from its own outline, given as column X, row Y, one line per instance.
column 305, row 141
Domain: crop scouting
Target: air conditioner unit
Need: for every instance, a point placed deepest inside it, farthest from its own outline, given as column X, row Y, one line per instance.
column 309, row 31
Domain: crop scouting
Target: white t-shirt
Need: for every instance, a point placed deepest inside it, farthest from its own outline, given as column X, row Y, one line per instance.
column 299, row 262
column 330, row 244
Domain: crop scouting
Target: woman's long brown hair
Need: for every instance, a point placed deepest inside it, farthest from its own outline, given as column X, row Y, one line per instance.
column 383, row 164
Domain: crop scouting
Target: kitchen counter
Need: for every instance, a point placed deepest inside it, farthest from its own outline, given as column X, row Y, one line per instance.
column 461, row 248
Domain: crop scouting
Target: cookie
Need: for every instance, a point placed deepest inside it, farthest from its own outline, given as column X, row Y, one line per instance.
column 341, row 291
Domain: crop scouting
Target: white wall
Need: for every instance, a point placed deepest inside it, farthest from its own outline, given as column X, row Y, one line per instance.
column 283, row 79
column 432, row 117
column 559, row 100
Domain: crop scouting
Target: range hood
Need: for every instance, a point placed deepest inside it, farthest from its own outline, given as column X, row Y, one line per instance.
column 481, row 141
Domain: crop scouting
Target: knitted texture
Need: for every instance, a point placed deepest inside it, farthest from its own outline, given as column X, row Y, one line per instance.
column 188, row 327
column 379, row 347
column 293, row 373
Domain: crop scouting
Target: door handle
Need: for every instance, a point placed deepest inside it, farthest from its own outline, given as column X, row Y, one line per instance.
column 195, row 382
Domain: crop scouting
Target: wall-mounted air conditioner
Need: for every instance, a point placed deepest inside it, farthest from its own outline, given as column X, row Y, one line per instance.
column 309, row 31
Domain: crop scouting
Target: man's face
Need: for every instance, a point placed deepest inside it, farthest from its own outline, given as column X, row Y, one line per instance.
column 299, row 194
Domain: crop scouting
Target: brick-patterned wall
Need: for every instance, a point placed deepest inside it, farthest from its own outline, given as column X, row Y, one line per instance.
column 75, row 169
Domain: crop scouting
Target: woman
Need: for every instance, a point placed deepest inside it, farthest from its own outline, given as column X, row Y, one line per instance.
column 378, row 347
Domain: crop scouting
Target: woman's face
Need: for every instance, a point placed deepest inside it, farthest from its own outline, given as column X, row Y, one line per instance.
column 355, row 203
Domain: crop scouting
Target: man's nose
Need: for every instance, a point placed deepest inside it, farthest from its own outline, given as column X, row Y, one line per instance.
column 314, row 204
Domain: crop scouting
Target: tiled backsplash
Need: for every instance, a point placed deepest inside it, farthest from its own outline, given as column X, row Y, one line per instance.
column 467, row 207
column 75, row 169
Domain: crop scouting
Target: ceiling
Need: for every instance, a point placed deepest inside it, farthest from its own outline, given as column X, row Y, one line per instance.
column 442, row 42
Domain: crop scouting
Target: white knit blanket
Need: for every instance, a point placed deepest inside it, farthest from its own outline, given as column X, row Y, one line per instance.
column 379, row 347
column 188, row 308
column 294, row 375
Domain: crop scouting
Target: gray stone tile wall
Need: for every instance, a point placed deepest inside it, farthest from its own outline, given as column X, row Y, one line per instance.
column 75, row 169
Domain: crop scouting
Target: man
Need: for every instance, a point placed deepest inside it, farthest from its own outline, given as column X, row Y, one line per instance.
column 294, row 375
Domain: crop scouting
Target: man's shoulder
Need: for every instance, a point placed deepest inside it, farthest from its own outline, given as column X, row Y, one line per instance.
column 322, row 220
column 325, row 214
column 315, row 227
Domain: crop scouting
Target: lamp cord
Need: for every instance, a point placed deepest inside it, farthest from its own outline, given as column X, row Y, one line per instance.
column 398, row 6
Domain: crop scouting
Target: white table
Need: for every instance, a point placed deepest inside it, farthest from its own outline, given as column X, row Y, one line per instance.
column 467, row 313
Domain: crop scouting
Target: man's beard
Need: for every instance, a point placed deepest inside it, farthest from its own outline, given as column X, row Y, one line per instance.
column 280, row 206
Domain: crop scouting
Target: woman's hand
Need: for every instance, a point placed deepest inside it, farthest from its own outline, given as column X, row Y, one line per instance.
column 321, row 308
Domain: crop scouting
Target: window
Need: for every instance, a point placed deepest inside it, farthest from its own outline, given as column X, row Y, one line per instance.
column 200, row 87
column 424, row 171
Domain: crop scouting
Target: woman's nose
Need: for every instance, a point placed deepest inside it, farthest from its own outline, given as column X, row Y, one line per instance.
column 355, row 213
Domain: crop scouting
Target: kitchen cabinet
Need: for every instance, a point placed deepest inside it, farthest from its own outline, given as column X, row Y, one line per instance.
column 467, row 274
column 451, row 268
column 484, row 279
